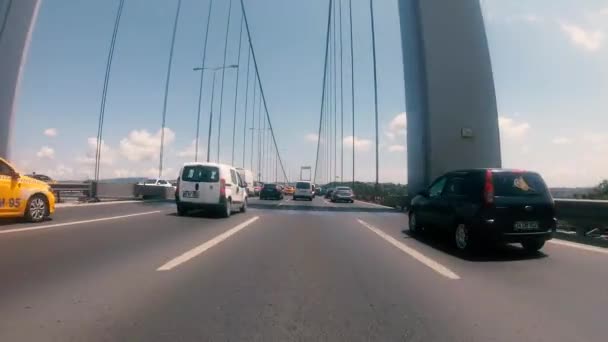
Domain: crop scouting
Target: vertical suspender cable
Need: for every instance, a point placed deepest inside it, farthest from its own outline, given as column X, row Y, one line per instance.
column 371, row 9
column 200, row 88
column 257, row 71
column 352, row 83
column 259, row 169
column 236, row 91
column 341, row 99
column 335, row 95
column 255, row 87
column 219, row 124
column 167, row 82
column 246, row 105
column 106, row 81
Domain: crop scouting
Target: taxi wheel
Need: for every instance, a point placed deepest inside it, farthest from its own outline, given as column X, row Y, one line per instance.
column 37, row 208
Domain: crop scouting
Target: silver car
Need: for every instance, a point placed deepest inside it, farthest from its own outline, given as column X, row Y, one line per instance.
column 343, row 194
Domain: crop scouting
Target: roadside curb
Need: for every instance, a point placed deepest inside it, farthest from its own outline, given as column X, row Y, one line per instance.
column 581, row 239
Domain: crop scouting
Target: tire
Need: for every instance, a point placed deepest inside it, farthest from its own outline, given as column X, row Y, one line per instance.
column 413, row 223
column 244, row 206
column 462, row 238
column 181, row 211
column 533, row 246
column 37, row 209
column 227, row 210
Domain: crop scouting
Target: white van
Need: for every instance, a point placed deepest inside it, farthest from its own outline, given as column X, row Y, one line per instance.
column 303, row 190
column 247, row 177
column 210, row 186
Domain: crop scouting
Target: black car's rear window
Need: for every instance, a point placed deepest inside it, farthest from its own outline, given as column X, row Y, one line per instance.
column 511, row 184
column 303, row 185
column 198, row 173
column 270, row 186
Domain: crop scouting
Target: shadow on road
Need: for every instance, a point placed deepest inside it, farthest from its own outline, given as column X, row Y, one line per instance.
column 485, row 253
column 353, row 208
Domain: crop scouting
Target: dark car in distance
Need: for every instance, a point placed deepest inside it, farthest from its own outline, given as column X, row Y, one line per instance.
column 487, row 205
column 329, row 192
column 271, row 191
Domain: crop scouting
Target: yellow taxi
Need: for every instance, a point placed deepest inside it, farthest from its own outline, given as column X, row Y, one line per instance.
column 23, row 196
column 289, row 190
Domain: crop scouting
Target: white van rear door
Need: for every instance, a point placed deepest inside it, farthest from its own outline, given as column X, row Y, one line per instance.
column 200, row 184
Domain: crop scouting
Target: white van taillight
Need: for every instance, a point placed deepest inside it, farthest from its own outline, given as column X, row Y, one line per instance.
column 223, row 187
column 488, row 188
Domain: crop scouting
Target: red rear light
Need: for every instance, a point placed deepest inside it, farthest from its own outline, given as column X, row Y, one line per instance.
column 223, row 187
column 488, row 189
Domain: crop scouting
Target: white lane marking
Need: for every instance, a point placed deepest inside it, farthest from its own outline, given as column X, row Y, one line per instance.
column 205, row 246
column 73, row 205
column 579, row 246
column 17, row 230
column 434, row 265
column 373, row 204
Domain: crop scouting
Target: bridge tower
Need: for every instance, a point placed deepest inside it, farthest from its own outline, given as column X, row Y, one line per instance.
column 17, row 19
column 452, row 119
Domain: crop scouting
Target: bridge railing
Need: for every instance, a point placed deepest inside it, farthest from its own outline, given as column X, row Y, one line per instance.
column 89, row 191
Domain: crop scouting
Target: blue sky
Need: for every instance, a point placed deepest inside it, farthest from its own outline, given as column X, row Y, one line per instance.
column 549, row 60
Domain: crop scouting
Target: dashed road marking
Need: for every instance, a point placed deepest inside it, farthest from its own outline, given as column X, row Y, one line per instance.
column 434, row 265
column 204, row 246
column 48, row 226
column 579, row 246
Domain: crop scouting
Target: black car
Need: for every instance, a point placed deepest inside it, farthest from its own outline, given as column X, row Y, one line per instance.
column 487, row 205
column 328, row 193
column 271, row 191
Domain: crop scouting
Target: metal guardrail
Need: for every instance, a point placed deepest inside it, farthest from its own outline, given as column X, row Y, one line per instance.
column 72, row 190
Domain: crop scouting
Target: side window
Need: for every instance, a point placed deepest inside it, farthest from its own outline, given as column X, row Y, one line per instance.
column 233, row 177
column 240, row 180
column 5, row 170
column 455, row 186
column 437, row 187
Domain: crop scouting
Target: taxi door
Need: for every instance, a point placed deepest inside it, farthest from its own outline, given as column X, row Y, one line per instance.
column 10, row 202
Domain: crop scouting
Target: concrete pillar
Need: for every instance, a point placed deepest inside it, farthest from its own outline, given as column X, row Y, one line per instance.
column 452, row 120
column 17, row 19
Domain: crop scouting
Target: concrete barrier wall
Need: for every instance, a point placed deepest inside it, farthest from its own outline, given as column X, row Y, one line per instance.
column 115, row 190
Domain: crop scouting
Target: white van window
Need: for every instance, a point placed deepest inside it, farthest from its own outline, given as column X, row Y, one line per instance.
column 199, row 173
column 233, row 176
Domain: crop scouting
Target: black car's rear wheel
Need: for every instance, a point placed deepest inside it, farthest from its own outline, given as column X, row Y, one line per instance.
column 533, row 245
column 413, row 223
column 462, row 238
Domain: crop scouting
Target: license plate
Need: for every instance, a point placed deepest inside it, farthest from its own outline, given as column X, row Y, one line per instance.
column 526, row 225
column 190, row 194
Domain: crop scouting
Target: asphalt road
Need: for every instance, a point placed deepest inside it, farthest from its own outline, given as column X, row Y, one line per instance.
column 284, row 271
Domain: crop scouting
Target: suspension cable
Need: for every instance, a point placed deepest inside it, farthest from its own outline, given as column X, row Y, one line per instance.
column 257, row 71
column 323, row 89
column 236, row 91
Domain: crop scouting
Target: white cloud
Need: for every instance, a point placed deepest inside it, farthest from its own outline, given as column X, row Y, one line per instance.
column 561, row 141
column 190, row 150
column 512, row 129
column 360, row 144
column 108, row 155
column 123, row 173
column 50, row 132
column 589, row 40
column 397, row 126
column 141, row 145
column 527, row 18
column 46, row 152
column 396, row 148
column 168, row 173
column 312, row 137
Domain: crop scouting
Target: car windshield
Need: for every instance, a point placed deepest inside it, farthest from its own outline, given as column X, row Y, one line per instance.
column 150, row 181
column 514, row 184
column 302, row 185
column 198, row 173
